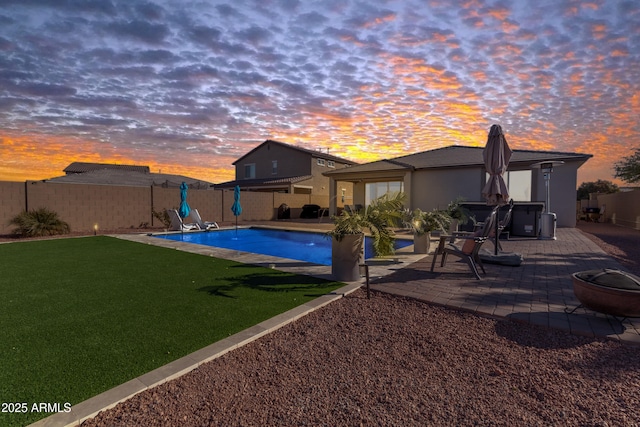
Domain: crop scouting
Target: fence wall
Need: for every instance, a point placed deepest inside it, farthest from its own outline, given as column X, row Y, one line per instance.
column 621, row 208
column 13, row 201
column 110, row 207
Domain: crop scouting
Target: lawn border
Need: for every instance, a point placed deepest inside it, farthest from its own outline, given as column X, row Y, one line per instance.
column 110, row 398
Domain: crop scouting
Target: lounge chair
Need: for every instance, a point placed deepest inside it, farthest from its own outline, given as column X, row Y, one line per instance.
column 203, row 225
column 469, row 247
column 177, row 224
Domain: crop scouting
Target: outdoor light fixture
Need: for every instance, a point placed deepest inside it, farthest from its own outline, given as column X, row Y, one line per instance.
column 95, row 229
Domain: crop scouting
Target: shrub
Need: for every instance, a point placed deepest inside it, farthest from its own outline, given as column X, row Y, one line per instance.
column 39, row 222
column 163, row 216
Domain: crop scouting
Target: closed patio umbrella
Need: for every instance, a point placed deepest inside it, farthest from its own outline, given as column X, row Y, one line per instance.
column 236, row 208
column 496, row 157
column 184, row 209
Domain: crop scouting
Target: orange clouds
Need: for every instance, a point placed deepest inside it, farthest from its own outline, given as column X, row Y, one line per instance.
column 41, row 157
column 389, row 17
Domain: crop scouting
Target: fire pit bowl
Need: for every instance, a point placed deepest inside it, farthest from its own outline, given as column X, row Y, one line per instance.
column 608, row 291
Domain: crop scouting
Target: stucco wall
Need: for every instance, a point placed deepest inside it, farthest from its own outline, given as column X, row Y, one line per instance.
column 291, row 162
column 435, row 189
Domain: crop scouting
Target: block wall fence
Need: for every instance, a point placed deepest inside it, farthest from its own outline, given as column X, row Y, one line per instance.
column 621, row 208
column 112, row 207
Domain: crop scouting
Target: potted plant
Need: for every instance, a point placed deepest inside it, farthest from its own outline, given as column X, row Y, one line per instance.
column 347, row 248
column 422, row 224
column 458, row 213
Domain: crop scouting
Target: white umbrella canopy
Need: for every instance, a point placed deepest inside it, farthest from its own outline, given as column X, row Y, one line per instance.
column 496, row 157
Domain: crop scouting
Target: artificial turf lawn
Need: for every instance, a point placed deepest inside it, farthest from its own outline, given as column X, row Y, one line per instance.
column 80, row 316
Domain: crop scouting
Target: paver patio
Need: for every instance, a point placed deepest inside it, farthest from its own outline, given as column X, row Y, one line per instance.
column 537, row 292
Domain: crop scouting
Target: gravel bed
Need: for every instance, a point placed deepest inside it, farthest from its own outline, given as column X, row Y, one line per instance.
column 397, row 362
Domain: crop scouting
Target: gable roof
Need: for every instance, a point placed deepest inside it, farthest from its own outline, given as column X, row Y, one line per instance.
column 130, row 178
column 313, row 153
column 263, row 182
column 456, row 156
column 82, row 167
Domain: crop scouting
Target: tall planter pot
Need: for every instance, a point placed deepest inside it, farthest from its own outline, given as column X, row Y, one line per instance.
column 421, row 243
column 346, row 257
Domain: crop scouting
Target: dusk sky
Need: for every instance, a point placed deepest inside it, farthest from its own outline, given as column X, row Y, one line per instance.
column 187, row 87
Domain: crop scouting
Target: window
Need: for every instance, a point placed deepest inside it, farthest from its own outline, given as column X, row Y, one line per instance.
column 331, row 164
column 373, row 190
column 274, row 167
column 518, row 183
column 249, row 171
column 320, row 162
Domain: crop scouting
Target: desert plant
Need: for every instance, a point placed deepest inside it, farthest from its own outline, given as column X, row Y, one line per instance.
column 162, row 216
column 378, row 217
column 421, row 222
column 458, row 212
column 39, row 222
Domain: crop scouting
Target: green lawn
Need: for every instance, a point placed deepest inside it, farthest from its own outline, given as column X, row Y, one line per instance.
column 80, row 316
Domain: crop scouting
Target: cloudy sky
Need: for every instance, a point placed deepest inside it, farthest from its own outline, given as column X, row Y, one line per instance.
column 189, row 86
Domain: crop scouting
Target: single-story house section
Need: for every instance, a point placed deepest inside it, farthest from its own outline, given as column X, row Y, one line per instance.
column 432, row 179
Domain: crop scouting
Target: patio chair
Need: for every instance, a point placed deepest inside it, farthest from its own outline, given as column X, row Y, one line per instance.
column 501, row 226
column 177, row 224
column 469, row 247
column 203, row 225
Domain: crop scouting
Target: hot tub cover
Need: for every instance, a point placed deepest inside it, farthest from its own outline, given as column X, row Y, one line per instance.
column 611, row 278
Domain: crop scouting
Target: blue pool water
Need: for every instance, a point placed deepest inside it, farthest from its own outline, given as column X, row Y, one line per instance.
column 301, row 246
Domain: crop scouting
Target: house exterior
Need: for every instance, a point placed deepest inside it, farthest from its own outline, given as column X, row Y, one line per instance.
column 278, row 167
column 432, row 179
column 83, row 167
column 124, row 175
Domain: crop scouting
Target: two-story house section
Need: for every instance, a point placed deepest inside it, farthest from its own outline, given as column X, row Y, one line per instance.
column 276, row 166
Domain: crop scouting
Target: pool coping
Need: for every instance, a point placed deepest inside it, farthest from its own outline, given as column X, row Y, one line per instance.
column 93, row 406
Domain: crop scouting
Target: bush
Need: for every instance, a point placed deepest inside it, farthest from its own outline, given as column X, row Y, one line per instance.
column 40, row 222
column 163, row 216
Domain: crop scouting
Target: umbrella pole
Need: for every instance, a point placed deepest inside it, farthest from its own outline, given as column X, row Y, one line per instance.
column 497, row 235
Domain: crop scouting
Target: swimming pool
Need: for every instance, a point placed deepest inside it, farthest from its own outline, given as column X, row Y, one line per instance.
column 298, row 245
